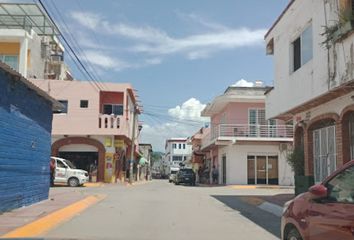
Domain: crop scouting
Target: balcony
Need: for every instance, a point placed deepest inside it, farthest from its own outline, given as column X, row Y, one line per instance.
column 247, row 132
column 106, row 121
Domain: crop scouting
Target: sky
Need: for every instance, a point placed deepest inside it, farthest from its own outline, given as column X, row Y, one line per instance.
column 178, row 55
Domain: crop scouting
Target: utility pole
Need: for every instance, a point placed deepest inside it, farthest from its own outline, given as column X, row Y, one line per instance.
column 132, row 148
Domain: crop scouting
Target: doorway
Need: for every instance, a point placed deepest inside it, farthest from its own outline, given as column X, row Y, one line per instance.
column 224, row 169
column 262, row 169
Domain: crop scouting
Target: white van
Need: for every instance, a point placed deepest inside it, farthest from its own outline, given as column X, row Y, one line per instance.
column 65, row 172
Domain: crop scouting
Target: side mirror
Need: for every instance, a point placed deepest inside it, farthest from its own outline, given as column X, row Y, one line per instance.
column 318, row 191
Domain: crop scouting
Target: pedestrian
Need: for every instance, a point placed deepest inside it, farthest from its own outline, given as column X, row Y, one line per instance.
column 215, row 174
column 52, row 172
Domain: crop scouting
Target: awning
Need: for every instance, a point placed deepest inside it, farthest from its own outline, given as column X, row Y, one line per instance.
column 26, row 16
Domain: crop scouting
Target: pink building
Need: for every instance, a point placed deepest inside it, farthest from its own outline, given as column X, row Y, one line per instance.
column 242, row 144
column 96, row 127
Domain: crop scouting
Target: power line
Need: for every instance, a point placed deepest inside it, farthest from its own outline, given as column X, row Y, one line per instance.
column 82, row 53
column 91, row 78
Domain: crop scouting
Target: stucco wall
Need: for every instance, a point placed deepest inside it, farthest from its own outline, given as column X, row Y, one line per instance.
column 312, row 79
column 236, row 162
column 25, row 133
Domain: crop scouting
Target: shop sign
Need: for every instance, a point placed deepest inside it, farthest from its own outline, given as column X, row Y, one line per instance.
column 108, row 142
column 118, row 143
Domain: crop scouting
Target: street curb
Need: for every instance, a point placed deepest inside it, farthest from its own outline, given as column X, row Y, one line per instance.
column 264, row 205
column 52, row 220
column 271, row 208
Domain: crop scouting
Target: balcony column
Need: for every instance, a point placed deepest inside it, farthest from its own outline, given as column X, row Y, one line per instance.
column 23, row 56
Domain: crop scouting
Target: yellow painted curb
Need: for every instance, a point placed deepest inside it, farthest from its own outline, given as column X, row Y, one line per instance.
column 91, row 184
column 52, row 220
column 252, row 200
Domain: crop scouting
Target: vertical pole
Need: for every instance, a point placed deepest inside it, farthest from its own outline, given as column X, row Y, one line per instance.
column 132, row 148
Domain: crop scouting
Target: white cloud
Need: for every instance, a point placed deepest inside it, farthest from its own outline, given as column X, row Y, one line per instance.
column 103, row 60
column 189, row 110
column 153, row 61
column 87, row 19
column 201, row 20
column 243, row 83
column 185, row 120
column 198, row 55
column 155, row 42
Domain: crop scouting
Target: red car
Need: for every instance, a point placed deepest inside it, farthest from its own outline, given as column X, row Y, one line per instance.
column 326, row 211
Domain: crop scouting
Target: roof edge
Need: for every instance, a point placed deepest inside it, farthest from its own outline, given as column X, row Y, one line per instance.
column 279, row 18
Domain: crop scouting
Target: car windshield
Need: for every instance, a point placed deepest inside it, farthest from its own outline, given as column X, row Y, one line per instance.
column 70, row 164
column 186, row 171
column 173, row 172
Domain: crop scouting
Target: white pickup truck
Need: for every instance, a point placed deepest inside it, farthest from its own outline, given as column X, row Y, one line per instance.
column 65, row 172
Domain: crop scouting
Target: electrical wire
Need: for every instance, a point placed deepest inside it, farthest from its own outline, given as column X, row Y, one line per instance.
column 75, row 43
column 91, row 78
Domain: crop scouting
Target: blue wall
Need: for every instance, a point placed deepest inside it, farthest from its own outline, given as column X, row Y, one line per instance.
column 25, row 144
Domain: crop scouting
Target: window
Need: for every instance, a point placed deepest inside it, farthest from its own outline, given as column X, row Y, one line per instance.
column 256, row 117
column 12, row 61
column 302, row 49
column 60, row 164
column 185, row 158
column 65, row 107
column 324, row 152
column 177, row 158
column 351, row 135
column 184, row 146
column 174, row 146
column 341, row 187
column 83, row 103
column 179, row 146
column 116, row 109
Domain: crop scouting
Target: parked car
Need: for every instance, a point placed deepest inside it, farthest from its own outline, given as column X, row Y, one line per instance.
column 185, row 175
column 172, row 177
column 326, row 211
column 66, row 172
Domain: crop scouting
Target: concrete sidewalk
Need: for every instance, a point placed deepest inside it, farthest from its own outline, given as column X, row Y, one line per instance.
column 58, row 199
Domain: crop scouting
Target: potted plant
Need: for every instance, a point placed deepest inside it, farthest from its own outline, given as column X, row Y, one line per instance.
column 296, row 161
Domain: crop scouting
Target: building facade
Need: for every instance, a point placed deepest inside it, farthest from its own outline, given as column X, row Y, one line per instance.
column 25, row 132
column 95, row 129
column 29, row 42
column 145, row 150
column 241, row 144
column 177, row 151
column 312, row 46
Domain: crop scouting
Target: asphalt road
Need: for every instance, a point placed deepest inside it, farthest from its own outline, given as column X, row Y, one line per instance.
column 160, row 210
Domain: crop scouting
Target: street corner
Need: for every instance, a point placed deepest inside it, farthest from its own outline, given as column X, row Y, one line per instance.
column 42, row 225
column 94, row 184
column 243, row 186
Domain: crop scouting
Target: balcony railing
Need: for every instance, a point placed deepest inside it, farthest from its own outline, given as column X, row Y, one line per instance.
column 106, row 121
column 247, row 131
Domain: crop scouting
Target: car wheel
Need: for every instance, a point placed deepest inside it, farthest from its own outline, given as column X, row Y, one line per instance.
column 169, row 181
column 293, row 235
column 73, row 182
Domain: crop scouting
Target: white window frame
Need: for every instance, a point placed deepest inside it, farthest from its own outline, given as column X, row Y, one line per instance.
column 320, row 157
column 302, row 63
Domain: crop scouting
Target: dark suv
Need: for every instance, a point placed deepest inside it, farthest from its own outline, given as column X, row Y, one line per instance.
column 185, row 175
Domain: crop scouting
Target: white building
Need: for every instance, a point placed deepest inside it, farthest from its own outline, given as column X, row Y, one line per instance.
column 177, row 151
column 29, row 42
column 312, row 44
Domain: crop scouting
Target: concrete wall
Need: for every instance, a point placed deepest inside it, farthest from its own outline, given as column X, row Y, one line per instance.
column 236, row 162
column 313, row 78
column 25, row 133
column 36, row 64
